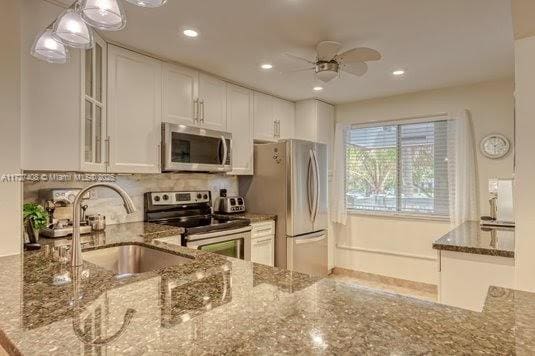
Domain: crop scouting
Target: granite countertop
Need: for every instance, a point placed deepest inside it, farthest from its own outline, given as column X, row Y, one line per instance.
column 253, row 217
column 471, row 237
column 217, row 305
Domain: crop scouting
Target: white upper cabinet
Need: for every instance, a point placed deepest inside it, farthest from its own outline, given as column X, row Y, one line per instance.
column 134, row 111
column 94, row 154
column 240, row 124
column 284, row 118
column 314, row 121
column 264, row 111
column 212, row 103
column 50, row 100
column 325, row 125
column 274, row 118
column 180, row 93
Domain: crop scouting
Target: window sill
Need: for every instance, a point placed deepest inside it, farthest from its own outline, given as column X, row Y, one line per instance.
column 394, row 215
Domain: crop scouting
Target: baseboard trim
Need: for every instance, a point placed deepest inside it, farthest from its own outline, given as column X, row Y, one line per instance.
column 427, row 287
column 385, row 252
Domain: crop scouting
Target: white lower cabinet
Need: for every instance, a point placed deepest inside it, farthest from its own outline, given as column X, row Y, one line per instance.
column 464, row 278
column 263, row 243
column 134, row 111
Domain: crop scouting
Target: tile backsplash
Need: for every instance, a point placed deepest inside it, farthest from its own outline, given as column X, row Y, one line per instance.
column 108, row 203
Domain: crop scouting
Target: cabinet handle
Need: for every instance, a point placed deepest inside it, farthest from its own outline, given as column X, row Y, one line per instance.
column 108, row 139
column 259, row 241
column 195, row 110
column 277, row 129
column 202, row 111
column 159, row 148
column 262, row 230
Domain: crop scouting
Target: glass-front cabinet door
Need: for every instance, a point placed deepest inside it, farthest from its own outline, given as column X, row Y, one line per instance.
column 94, row 151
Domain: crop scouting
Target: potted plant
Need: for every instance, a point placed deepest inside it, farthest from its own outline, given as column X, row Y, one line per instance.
column 35, row 218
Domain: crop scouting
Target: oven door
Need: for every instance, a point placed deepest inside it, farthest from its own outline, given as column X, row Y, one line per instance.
column 187, row 148
column 232, row 243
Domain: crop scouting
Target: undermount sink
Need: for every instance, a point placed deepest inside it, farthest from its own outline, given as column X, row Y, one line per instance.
column 132, row 259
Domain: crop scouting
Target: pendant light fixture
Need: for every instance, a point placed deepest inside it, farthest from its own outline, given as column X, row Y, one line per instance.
column 105, row 15
column 71, row 29
column 47, row 48
column 148, row 3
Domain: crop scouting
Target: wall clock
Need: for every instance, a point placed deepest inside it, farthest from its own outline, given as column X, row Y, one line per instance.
column 494, row 146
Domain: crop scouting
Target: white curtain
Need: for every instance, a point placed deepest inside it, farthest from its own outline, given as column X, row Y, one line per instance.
column 338, row 198
column 462, row 169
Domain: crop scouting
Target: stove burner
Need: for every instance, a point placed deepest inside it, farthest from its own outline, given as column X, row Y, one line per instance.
column 193, row 214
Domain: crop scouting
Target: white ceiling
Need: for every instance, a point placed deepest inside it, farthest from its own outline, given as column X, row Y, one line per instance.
column 438, row 42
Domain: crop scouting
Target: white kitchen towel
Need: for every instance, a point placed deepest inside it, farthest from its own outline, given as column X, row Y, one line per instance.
column 462, row 169
column 338, row 195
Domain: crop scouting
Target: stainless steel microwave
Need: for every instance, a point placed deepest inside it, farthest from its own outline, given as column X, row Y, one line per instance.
column 194, row 149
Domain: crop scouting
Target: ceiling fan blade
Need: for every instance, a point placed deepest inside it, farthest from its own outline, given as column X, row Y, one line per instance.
column 293, row 56
column 327, row 50
column 361, row 54
column 357, row 68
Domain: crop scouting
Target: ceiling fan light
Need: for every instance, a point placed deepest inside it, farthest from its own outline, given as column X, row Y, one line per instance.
column 71, row 29
column 105, row 15
column 326, row 75
column 48, row 49
column 148, row 3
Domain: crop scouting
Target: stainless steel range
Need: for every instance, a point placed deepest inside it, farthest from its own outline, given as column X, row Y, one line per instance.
column 192, row 210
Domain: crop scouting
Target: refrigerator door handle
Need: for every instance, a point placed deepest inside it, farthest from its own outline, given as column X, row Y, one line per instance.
column 310, row 189
column 316, row 185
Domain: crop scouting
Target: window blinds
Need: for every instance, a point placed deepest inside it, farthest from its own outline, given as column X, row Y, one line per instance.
column 398, row 168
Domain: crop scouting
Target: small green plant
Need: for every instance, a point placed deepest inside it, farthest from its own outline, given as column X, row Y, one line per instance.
column 36, row 214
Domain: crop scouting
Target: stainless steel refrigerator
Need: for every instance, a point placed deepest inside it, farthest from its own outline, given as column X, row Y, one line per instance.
column 290, row 180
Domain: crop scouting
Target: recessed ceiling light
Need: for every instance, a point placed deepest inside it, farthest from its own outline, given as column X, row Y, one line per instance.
column 190, row 33
column 398, row 72
column 317, row 88
column 266, row 66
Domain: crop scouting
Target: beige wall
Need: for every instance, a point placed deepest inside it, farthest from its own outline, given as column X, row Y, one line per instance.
column 523, row 15
column 525, row 164
column 10, row 71
column 400, row 247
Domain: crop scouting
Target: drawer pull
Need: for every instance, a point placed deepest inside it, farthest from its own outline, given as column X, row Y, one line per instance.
column 261, row 230
column 258, row 242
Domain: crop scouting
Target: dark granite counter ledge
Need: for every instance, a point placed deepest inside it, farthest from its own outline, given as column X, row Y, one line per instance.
column 216, row 305
column 253, row 217
column 470, row 237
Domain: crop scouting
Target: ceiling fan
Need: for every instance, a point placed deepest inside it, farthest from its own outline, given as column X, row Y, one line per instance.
column 329, row 62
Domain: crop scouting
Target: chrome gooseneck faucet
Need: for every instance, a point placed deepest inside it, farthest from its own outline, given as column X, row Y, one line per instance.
column 76, row 247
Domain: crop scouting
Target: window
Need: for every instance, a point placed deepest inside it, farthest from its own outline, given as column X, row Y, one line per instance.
column 398, row 168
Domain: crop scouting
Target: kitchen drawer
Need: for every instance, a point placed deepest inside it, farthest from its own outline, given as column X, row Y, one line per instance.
column 264, row 228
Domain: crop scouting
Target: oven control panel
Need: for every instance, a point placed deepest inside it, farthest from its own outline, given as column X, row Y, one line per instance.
column 180, row 198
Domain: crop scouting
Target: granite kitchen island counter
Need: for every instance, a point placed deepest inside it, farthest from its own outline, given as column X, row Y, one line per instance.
column 471, row 237
column 215, row 305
